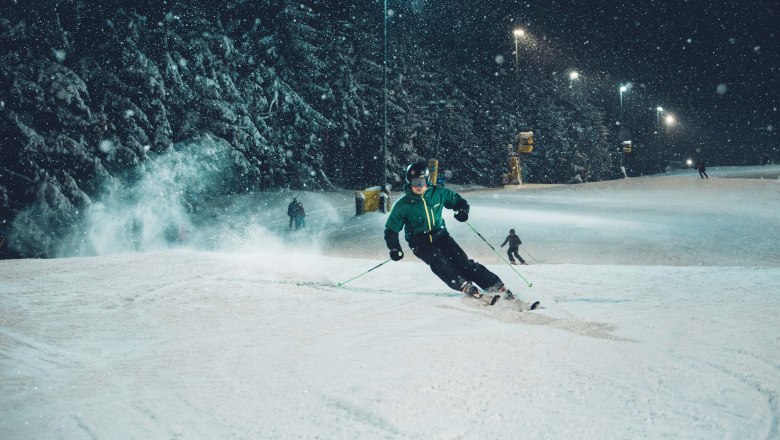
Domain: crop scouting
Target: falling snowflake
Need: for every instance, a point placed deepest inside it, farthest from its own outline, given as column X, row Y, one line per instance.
column 106, row 146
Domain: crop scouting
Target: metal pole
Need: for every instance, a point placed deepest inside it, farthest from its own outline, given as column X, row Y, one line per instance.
column 360, row 275
column 658, row 146
column 517, row 69
column 384, row 88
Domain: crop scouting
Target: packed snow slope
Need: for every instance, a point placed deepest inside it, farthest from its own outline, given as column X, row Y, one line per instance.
column 659, row 319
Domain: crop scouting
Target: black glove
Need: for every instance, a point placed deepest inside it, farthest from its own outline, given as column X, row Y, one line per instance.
column 396, row 254
column 461, row 210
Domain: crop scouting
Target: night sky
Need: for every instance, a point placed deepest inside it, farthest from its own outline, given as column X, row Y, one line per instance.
column 715, row 65
column 685, row 50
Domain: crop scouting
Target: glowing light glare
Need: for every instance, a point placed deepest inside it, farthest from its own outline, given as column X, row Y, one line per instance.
column 659, row 109
column 689, row 162
column 574, row 75
column 518, row 32
column 623, row 89
column 669, row 120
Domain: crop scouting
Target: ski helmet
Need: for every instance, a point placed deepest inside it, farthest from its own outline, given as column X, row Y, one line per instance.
column 417, row 174
column 511, row 231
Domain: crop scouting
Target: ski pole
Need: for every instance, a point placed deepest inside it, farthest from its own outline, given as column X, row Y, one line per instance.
column 499, row 255
column 358, row 276
column 529, row 254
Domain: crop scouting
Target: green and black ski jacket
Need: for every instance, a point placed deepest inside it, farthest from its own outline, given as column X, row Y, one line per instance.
column 420, row 215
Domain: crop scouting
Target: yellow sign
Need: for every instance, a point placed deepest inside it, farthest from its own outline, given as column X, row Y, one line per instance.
column 525, row 141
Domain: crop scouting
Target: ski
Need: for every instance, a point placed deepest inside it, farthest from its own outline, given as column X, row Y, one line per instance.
column 485, row 299
column 522, row 305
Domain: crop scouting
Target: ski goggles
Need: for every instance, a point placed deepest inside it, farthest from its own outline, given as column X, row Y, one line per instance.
column 418, row 181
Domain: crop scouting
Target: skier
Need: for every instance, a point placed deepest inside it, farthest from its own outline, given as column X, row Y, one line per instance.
column 300, row 217
column 514, row 244
column 292, row 212
column 702, row 170
column 419, row 212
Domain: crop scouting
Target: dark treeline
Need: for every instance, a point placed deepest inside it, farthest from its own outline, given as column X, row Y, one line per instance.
column 91, row 90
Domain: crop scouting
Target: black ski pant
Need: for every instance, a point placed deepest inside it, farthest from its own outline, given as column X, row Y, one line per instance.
column 512, row 253
column 448, row 261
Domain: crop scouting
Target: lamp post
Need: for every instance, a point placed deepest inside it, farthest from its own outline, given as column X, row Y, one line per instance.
column 622, row 90
column 573, row 75
column 670, row 120
column 658, row 111
column 384, row 93
column 518, row 33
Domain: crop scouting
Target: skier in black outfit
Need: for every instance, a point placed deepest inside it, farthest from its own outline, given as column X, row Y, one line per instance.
column 702, row 170
column 293, row 210
column 419, row 213
column 514, row 244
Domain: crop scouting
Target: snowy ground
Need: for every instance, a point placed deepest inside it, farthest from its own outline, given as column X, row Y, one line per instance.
column 660, row 320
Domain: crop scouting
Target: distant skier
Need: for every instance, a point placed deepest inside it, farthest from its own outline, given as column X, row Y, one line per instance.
column 702, row 170
column 300, row 217
column 514, row 244
column 292, row 211
column 419, row 212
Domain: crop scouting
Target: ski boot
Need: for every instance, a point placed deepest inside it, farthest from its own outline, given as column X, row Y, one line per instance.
column 471, row 290
column 499, row 288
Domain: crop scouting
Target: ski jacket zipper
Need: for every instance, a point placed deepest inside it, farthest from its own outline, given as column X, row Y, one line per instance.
column 427, row 217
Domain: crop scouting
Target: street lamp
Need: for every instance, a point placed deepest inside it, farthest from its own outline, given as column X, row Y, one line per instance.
column 666, row 149
column 384, row 93
column 573, row 75
column 518, row 33
column 622, row 90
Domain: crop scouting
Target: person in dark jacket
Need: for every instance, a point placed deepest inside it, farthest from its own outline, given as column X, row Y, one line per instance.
column 514, row 244
column 293, row 210
column 419, row 213
column 702, row 170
